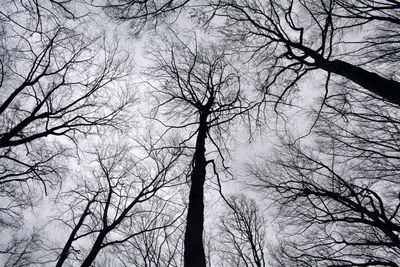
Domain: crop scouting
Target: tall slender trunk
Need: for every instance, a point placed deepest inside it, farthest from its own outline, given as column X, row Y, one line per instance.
column 65, row 251
column 194, row 255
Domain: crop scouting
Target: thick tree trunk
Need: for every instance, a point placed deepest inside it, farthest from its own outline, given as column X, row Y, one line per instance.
column 194, row 255
column 383, row 87
column 373, row 82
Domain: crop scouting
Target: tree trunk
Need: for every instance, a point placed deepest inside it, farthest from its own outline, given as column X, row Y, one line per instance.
column 194, row 255
column 383, row 87
column 95, row 249
column 373, row 82
column 65, row 251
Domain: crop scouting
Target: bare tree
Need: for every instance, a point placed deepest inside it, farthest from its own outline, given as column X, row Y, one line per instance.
column 123, row 199
column 242, row 233
column 56, row 85
column 197, row 89
column 288, row 39
column 338, row 196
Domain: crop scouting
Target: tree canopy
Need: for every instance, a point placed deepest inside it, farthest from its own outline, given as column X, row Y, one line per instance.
column 199, row 133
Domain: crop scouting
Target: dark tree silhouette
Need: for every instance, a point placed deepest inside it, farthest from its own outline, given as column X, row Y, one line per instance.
column 338, row 197
column 293, row 37
column 199, row 90
column 122, row 200
column 55, row 87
